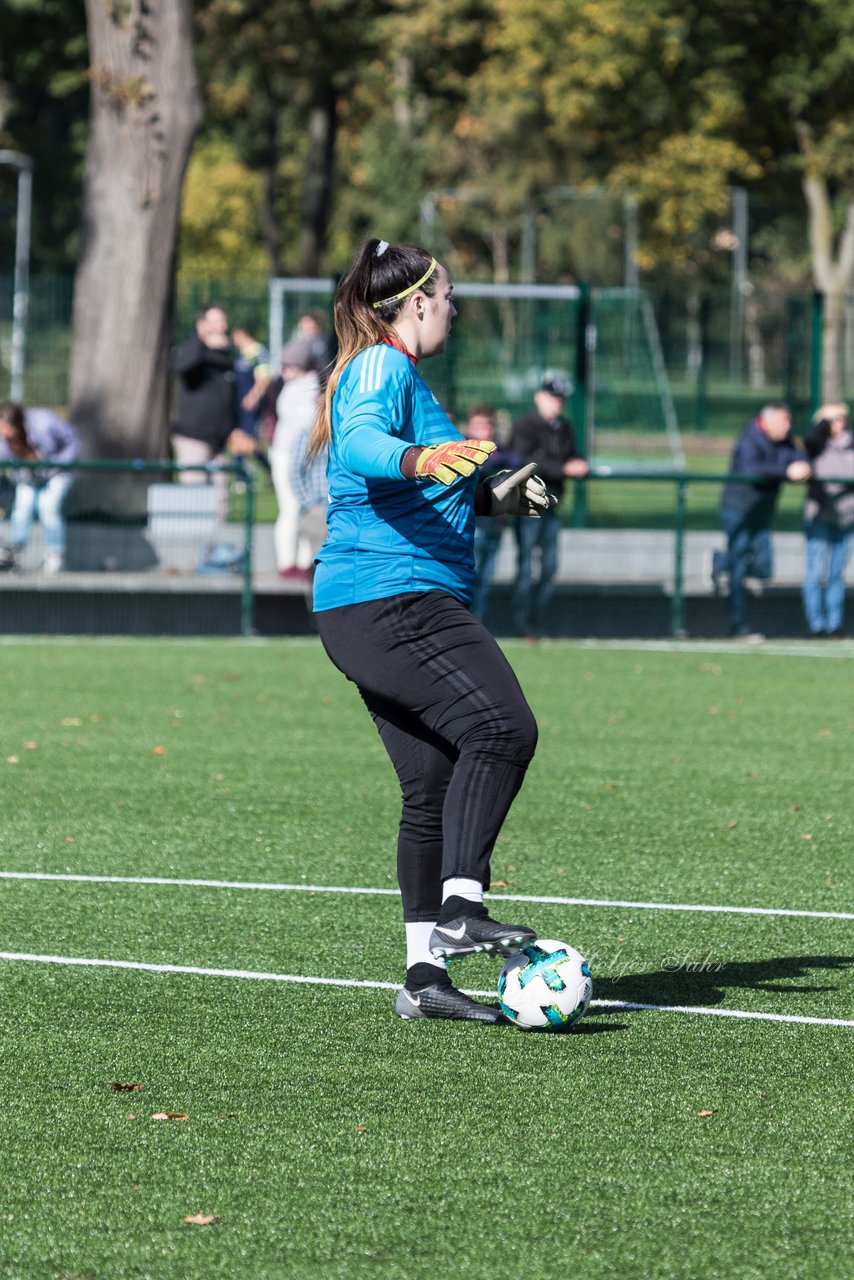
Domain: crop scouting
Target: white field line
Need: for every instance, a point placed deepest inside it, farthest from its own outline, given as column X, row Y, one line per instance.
column 304, row 980
column 394, row 893
column 729, row 648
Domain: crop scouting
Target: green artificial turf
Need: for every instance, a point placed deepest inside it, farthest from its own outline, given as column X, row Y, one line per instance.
column 325, row 1137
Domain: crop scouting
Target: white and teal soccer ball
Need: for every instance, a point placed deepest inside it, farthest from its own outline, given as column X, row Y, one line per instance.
column 546, row 986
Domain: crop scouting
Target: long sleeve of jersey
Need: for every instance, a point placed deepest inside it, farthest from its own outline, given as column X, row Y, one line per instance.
column 373, row 415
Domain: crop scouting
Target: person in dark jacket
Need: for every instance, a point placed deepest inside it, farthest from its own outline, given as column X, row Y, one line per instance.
column 828, row 518
column 546, row 437
column 488, row 530
column 765, row 449
column 206, row 411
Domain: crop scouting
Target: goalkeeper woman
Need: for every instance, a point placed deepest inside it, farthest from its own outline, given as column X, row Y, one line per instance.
column 391, row 590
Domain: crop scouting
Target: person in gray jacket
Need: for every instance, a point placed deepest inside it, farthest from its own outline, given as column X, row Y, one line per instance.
column 828, row 518
column 37, row 435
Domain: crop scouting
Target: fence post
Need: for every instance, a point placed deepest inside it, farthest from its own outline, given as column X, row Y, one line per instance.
column 677, row 613
column 580, row 397
column 816, row 341
column 247, row 597
column 704, row 315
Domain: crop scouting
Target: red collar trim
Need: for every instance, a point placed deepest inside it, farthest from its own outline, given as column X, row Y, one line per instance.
column 400, row 347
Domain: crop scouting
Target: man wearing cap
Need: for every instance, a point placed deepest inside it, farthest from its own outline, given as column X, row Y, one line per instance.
column 296, row 407
column 546, row 437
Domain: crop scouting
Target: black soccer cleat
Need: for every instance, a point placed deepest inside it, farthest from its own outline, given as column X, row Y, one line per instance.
column 441, row 1000
column 465, row 935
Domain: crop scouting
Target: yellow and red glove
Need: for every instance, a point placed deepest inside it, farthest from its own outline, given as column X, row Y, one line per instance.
column 447, row 462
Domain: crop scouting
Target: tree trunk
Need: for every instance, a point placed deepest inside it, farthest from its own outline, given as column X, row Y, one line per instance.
column 831, row 345
column 831, row 273
column 145, row 111
column 322, row 124
column 269, row 175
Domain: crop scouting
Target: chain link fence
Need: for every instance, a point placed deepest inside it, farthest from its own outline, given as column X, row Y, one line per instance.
column 700, row 359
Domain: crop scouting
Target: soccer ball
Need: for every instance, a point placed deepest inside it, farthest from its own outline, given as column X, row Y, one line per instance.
column 546, row 986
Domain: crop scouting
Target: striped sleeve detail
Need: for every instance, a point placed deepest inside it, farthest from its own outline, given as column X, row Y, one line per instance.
column 371, row 375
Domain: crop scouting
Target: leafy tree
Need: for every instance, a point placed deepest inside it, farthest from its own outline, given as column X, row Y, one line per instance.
column 278, row 77
column 220, row 226
column 637, row 95
column 44, row 95
column 812, row 74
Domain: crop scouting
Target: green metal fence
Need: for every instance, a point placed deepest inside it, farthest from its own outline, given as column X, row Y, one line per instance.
column 176, row 562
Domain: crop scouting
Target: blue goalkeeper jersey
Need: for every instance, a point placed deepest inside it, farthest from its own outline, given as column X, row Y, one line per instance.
column 388, row 534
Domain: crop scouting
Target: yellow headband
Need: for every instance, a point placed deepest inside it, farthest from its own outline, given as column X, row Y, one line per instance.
column 396, row 297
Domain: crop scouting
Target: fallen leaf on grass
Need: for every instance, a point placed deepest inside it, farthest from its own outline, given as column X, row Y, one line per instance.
column 31, row 746
column 501, row 884
column 120, row 1086
column 806, row 836
column 170, row 1115
column 159, row 751
column 11, row 759
column 706, row 1113
column 361, row 1128
column 733, row 822
column 69, row 839
column 201, row 1219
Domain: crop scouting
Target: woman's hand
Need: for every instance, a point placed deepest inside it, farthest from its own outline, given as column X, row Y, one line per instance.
column 519, row 493
column 445, row 463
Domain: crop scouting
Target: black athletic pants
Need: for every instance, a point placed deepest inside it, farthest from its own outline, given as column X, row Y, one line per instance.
column 454, row 721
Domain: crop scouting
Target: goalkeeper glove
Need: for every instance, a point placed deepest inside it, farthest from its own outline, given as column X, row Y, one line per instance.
column 447, row 462
column 519, row 493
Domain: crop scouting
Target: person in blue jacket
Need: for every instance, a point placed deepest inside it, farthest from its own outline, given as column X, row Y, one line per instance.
column 391, row 591
column 765, row 449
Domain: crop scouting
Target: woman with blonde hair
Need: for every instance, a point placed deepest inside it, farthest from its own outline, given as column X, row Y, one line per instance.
column 828, row 518
column 393, row 582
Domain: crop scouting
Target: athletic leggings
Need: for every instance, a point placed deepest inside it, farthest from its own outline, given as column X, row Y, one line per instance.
column 454, row 721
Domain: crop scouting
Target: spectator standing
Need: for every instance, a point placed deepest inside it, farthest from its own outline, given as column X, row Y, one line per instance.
column 488, row 530
column 828, row 518
column 251, row 380
column 310, row 326
column 296, row 407
column 311, row 489
column 35, row 435
column 766, row 449
column 205, row 415
column 546, row 437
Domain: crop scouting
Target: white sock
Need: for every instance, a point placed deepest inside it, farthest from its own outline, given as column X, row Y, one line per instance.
column 462, row 887
column 417, row 937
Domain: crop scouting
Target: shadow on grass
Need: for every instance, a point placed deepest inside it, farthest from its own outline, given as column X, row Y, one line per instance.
column 706, row 981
